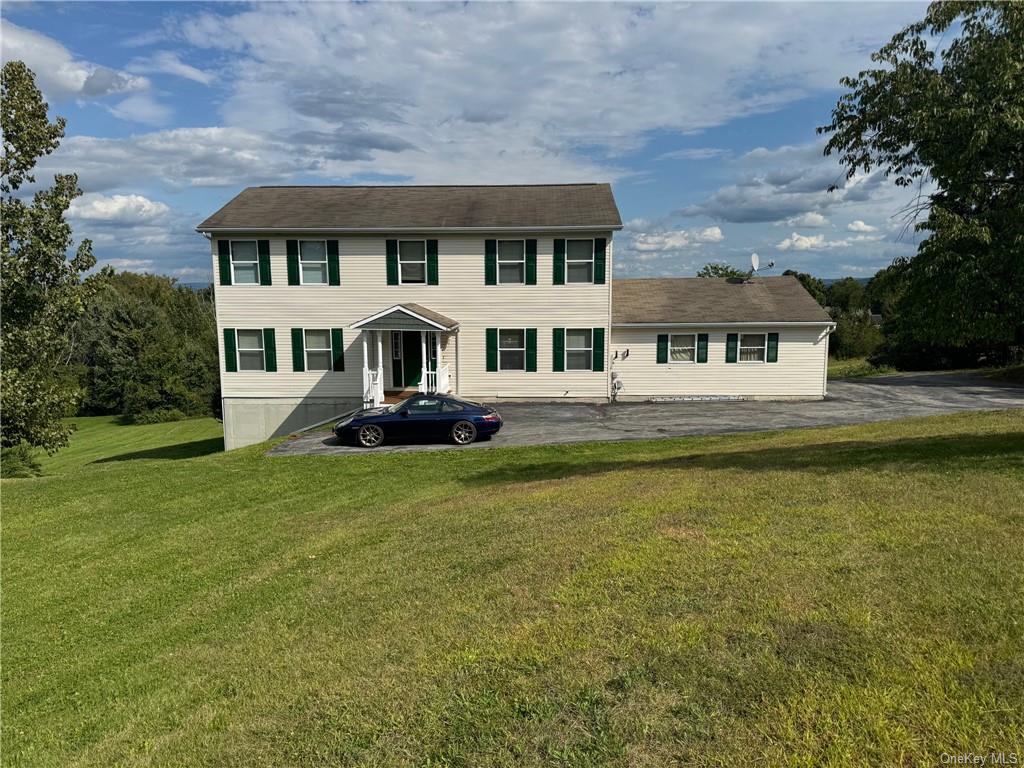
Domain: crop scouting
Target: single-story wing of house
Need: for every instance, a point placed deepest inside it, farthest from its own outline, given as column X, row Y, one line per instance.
column 331, row 298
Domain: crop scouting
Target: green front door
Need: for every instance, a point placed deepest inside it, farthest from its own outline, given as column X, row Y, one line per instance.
column 412, row 359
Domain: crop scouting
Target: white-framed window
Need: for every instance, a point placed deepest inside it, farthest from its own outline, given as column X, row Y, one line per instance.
column 511, row 349
column 319, row 356
column 753, row 347
column 250, row 350
column 511, row 261
column 313, row 262
column 579, row 349
column 682, row 348
column 412, row 262
column 579, row 261
column 245, row 263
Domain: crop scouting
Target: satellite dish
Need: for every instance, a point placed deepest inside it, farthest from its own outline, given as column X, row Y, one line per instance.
column 755, row 262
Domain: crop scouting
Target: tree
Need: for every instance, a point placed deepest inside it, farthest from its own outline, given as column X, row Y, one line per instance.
column 813, row 285
column 42, row 291
column 947, row 119
column 884, row 290
column 846, row 295
column 148, row 349
column 712, row 269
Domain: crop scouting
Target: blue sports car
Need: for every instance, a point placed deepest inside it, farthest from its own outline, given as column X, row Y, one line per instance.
column 421, row 418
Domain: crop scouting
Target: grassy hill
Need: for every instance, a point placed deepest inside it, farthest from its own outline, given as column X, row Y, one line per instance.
column 848, row 596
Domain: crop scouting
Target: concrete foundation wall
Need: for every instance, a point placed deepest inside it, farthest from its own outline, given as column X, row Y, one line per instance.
column 249, row 420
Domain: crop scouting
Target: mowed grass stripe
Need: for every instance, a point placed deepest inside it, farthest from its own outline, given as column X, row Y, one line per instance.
column 826, row 596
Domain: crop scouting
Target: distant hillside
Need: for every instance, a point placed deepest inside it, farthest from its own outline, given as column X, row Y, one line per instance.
column 197, row 286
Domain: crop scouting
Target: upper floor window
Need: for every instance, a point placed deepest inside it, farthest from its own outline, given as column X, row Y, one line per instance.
column 412, row 261
column 511, row 349
column 245, row 264
column 313, row 262
column 511, row 261
column 579, row 349
column 318, row 350
column 579, row 261
column 251, row 356
column 752, row 347
column 683, row 347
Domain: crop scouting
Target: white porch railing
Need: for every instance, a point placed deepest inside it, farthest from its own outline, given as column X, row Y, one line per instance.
column 438, row 381
column 373, row 388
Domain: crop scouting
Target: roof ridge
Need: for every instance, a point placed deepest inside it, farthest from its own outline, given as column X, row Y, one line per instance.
column 427, row 186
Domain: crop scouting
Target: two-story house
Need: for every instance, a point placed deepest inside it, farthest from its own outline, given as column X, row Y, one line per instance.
column 333, row 297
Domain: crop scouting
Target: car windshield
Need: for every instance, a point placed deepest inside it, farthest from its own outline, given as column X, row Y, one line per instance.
column 402, row 404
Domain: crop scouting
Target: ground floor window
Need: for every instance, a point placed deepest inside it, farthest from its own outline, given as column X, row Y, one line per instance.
column 251, row 355
column 683, row 347
column 318, row 350
column 511, row 349
column 579, row 349
column 752, row 347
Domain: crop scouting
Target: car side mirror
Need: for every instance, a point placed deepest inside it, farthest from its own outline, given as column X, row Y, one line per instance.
column 404, row 412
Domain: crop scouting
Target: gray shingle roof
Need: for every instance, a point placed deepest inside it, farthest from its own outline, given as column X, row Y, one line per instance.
column 424, row 208
column 714, row 300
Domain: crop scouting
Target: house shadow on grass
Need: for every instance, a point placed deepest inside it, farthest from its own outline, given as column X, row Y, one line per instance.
column 1000, row 451
column 178, row 451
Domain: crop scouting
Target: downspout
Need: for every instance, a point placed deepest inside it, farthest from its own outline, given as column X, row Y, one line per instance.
column 824, row 377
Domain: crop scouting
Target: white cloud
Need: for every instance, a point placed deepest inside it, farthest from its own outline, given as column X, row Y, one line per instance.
column 122, row 209
column 132, row 264
column 698, row 153
column 58, row 73
column 809, row 220
column 141, row 108
column 800, row 242
column 168, row 63
column 860, row 226
column 710, row 235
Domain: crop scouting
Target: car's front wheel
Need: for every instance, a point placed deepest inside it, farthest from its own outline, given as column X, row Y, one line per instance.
column 370, row 435
column 463, row 433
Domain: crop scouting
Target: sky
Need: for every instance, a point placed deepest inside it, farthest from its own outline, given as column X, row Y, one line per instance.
column 701, row 115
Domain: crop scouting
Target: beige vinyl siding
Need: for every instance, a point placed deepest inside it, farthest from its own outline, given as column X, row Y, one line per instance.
column 799, row 372
column 460, row 294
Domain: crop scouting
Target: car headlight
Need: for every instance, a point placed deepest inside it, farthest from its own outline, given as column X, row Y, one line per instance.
column 343, row 423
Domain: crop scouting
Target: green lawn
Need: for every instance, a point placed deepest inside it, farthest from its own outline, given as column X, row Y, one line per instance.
column 849, row 596
column 856, row 368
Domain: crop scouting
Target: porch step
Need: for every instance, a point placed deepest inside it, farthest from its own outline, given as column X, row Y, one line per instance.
column 390, row 398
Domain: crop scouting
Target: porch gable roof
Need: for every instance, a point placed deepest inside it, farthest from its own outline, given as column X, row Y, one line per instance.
column 409, row 316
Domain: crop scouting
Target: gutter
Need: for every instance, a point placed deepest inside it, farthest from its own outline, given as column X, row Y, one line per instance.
column 745, row 324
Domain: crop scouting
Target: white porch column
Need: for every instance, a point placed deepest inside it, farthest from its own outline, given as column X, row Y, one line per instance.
column 437, row 348
column 424, row 380
column 378, row 395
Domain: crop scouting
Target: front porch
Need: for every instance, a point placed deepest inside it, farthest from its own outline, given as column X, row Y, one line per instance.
column 407, row 348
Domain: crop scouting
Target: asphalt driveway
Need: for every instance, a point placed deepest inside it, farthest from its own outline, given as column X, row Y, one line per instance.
column 852, row 401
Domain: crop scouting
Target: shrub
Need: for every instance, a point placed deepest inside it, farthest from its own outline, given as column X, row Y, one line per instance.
column 19, row 461
column 157, row 416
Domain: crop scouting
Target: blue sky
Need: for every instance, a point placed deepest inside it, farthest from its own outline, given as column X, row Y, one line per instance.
column 702, row 116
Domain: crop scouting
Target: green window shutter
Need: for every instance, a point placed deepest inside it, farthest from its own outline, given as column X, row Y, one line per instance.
column 702, row 347
column 431, row 262
column 531, row 350
column 224, row 261
column 490, row 262
column 263, row 249
column 230, row 351
column 338, row 348
column 732, row 341
column 492, row 350
column 531, row 262
column 600, row 249
column 270, row 349
column 598, row 349
column 773, row 348
column 298, row 351
column 292, row 247
column 392, row 257
column 559, row 265
column 333, row 265
column 558, row 349
column 662, row 348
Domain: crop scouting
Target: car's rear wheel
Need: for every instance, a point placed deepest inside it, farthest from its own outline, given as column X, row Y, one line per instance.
column 370, row 435
column 463, row 433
